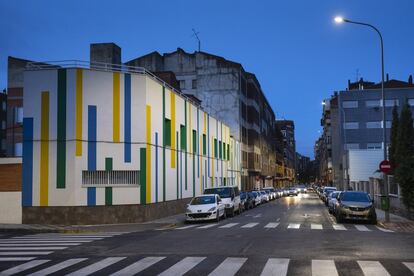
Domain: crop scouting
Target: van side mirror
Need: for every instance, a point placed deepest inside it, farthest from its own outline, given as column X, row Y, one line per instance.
column 372, row 201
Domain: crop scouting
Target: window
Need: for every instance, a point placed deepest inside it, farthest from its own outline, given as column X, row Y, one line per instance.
column 3, row 124
column 183, row 138
column 376, row 124
column 194, row 141
column 388, row 124
column 391, row 103
column 4, row 106
column 352, row 146
column 220, row 150
column 350, row 104
column 374, row 146
column 110, row 178
column 215, row 148
column 18, row 149
column 182, row 84
column 411, row 102
column 167, row 132
column 373, row 103
column 194, row 84
column 224, row 151
column 351, row 125
column 204, row 144
column 228, row 152
column 18, row 115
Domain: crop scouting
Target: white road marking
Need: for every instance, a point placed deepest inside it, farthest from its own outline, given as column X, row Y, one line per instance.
column 57, row 267
column 272, row 225
column 316, row 226
column 228, row 225
column 293, row 226
column 372, row 268
column 138, row 266
column 384, row 230
column 96, row 266
column 55, row 239
column 250, row 225
column 16, row 259
column 25, row 253
column 206, row 226
column 410, row 266
column 182, row 266
column 37, row 241
column 258, row 216
column 362, row 228
column 37, row 244
column 275, row 267
column 228, row 267
column 324, row 268
column 278, row 219
column 185, row 227
column 338, row 227
column 33, row 248
column 23, row 267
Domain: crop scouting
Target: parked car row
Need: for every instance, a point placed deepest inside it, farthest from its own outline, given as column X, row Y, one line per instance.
column 348, row 205
column 220, row 202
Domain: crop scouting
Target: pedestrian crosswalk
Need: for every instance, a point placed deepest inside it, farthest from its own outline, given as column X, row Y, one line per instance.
column 201, row 265
column 28, row 247
column 288, row 226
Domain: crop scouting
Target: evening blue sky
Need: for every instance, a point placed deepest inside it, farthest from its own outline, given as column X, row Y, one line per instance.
column 296, row 51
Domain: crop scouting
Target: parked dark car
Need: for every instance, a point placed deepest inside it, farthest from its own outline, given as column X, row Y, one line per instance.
column 355, row 206
column 250, row 201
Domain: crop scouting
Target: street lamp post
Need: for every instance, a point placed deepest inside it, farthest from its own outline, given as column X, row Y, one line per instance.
column 339, row 19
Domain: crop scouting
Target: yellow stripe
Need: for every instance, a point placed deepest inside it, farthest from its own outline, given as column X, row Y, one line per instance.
column 116, row 106
column 78, row 112
column 172, row 99
column 205, row 123
column 148, row 155
column 44, row 149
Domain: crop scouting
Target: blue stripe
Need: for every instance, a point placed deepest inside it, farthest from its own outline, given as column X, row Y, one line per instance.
column 91, row 150
column 127, row 119
column 156, row 166
column 27, row 187
column 91, row 196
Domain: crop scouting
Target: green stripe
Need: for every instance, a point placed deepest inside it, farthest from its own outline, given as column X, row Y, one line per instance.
column 185, row 143
column 108, row 164
column 177, row 166
column 163, row 141
column 142, row 173
column 108, row 196
column 61, row 130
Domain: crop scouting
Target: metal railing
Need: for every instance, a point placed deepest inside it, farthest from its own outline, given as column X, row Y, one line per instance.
column 101, row 66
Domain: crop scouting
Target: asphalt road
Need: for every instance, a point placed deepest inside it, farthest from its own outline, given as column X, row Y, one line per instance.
column 288, row 236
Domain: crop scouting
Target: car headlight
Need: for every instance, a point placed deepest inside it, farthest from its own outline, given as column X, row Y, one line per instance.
column 212, row 209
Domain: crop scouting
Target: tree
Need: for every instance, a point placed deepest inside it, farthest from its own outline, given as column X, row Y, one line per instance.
column 404, row 157
column 393, row 137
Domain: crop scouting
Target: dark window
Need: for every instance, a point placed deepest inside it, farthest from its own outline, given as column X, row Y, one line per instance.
column 204, row 144
column 194, row 84
column 194, row 141
column 167, row 132
column 215, row 148
column 220, row 150
column 183, row 137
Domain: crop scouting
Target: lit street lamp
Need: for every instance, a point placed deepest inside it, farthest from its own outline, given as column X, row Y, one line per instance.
column 340, row 20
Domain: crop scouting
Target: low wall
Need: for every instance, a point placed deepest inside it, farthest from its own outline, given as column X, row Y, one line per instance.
column 11, row 207
column 81, row 215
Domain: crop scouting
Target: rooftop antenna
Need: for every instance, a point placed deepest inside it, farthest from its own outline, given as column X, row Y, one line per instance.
column 357, row 75
column 195, row 34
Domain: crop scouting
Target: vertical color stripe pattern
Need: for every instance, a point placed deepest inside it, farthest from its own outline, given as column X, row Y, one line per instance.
column 142, row 175
column 61, row 131
column 127, row 118
column 156, row 166
column 173, row 140
column 116, row 106
column 92, row 130
column 44, row 150
column 27, row 187
column 148, row 154
column 78, row 111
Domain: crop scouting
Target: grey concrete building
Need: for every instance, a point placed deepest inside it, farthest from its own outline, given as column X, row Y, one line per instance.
column 3, row 122
column 231, row 94
column 352, row 119
column 287, row 127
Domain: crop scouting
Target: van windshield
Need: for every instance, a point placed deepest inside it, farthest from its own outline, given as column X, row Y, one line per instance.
column 222, row 192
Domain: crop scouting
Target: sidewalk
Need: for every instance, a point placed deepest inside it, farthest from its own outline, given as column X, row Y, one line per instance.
column 162, row 223
column 397, row 223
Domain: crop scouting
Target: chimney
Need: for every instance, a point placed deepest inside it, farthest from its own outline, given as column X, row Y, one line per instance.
column 410, row 79
column 108, row 53
column 349, row 84
column 387, row 78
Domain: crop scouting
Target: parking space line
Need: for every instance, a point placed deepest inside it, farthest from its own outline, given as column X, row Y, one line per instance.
column 250, row 225
column 372, row 268
column 185, row 227
column 338, row 227
column 275, row 267
column 229, row 225
column 182, row 266
column 293, row 226
column 206, row 226
column 410, row 266
column 228, row 267
column 362, row 228
column 384, row 230
column 324, row 268
column 23, row 267
column 316, row 226
column 272, row 225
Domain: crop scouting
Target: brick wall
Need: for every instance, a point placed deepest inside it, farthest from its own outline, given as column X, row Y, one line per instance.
column 11, row 176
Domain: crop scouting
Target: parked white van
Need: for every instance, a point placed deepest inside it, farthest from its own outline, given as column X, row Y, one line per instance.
column 230, row 197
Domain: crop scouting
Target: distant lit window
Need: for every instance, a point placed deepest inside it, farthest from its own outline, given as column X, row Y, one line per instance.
column 18, row 115
column 350, row 104
column 374, row 146
column 376, row 124
column 18, row 149
column 411, row 102
column 391, row 103
column 373, row 103
column 351, row 125
column 389, row 124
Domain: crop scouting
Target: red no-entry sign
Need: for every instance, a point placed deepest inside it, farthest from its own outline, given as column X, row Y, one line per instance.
column 385, row 166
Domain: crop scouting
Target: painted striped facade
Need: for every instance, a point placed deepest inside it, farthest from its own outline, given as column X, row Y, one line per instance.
column 81, row 120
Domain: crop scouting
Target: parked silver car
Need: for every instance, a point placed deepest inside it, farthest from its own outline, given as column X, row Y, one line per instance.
column 355, row 206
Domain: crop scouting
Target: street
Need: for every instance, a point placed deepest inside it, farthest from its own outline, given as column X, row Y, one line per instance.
column 287, row 236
